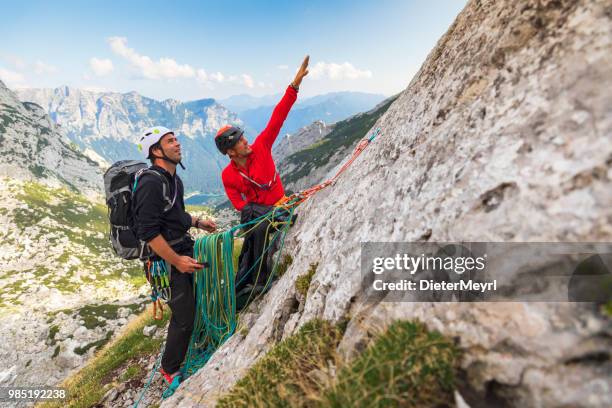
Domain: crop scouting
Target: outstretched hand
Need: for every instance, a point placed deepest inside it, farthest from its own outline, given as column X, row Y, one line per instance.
column 302, row 72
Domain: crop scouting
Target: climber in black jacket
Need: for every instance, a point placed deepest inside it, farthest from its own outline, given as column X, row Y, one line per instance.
column 166, row 233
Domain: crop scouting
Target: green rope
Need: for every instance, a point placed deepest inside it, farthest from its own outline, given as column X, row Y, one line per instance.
column 214, row 292
column 215, row 288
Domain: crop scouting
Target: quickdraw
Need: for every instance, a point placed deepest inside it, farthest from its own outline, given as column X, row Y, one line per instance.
column 158, row 275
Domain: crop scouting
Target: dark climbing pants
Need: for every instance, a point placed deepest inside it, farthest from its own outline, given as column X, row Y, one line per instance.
column 252, row 258
column 182, row 304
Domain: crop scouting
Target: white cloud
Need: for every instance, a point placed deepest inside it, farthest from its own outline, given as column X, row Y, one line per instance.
column 39, row 67
column 101, row 67
column 201, row 75
column 204, row 77
column 335, row 71
column 248, row 80
column 42, row 68
column 217, row 76
column 11, row 78
column 16, row 61
column 168, row 68
column 164, row 68
column 282, row 66
column 242, row 79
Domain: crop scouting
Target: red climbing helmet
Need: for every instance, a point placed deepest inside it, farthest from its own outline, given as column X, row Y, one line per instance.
column 227, row 137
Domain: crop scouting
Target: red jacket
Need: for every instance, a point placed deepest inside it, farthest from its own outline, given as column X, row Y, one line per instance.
column 260, row 166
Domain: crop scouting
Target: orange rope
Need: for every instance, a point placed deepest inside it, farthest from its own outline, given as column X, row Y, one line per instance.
column 298, row 198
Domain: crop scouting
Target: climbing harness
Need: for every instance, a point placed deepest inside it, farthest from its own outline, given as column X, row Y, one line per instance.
column 214, row 285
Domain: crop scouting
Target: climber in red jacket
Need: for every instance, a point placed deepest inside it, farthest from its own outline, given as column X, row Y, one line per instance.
column 251, row 176
column 251, row 180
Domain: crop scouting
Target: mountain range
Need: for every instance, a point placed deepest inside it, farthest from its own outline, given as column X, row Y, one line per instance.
column 105, row 125
column 328, row 108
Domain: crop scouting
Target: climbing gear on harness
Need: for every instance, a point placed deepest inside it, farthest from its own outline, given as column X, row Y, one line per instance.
column 158, row 276
column 227, row 137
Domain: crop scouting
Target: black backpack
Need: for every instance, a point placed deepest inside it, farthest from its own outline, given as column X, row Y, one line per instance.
column 119, row 185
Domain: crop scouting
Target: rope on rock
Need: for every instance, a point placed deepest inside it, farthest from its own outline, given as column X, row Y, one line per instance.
column 298, row 198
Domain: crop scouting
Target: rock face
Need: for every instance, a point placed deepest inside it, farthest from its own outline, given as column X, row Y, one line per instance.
column 32, row 147
column 514, row 99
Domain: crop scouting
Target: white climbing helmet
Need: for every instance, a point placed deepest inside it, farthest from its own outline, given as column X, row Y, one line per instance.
column 150, row 137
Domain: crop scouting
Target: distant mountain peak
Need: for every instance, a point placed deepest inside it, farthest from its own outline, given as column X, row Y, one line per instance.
column 33, row 148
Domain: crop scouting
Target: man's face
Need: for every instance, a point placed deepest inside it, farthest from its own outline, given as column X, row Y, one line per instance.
column 171, row 147
column 240, row 149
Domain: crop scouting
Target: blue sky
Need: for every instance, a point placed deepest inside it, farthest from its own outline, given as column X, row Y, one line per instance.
column 189, row 50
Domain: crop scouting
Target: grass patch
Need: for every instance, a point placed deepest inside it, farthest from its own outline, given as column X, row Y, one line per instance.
column 607, row 308
column 86, row 387
column 96, row 344
column 283, row 265
column 201, row 211
column 132, row 371
column 71, row 217
column 91, row 313
column 53, row 330
column 302, row 283
column 406, row 366
column 285, row 375
column 244, row 331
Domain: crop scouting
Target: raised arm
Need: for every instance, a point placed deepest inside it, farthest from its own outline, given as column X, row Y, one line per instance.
column 270, row 133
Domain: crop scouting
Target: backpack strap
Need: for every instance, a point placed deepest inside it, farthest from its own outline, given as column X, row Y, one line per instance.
column 165, row 186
